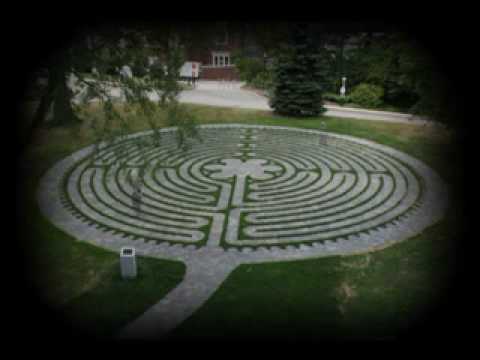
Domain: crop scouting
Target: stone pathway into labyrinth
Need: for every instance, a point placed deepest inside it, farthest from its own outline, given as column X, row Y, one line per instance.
column 245, row 194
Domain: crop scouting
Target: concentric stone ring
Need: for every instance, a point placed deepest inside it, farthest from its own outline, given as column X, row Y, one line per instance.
column 245, row 194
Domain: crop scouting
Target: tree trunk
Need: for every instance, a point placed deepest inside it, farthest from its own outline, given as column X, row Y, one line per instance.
column 57, row 93
column 40, row 114
column 63, row 113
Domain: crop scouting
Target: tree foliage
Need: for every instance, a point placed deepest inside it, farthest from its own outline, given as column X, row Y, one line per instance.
column 405, row 71
column 92, row 68
column 297, row 76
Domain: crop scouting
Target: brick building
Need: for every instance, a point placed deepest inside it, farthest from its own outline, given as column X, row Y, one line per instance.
column 216, row 54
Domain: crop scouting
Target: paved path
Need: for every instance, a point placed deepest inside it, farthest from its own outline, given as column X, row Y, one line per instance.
column 203, row 276
column 230, row 94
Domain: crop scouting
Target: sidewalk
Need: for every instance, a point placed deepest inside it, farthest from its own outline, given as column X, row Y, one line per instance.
column 230, row 94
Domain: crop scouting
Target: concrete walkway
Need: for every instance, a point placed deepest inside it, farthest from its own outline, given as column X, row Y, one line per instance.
column 231, row 94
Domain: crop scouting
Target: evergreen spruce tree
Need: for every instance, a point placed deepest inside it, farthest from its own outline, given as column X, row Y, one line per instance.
column 298, row 76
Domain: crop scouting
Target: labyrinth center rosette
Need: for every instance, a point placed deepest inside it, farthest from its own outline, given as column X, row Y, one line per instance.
column 251, row 187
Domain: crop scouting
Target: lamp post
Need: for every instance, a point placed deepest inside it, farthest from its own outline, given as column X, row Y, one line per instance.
column 343, row 88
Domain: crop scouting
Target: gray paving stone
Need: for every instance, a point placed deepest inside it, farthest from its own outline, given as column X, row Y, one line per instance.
column 219, row 204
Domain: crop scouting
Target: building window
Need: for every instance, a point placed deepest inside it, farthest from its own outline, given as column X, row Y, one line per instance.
column 220, row 59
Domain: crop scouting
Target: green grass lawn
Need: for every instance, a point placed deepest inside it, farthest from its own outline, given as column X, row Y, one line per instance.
column 335, row 296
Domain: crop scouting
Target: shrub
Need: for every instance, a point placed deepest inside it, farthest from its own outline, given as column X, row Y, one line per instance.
column 249, row 68
column 341, row 100
column 263, row 80
column 367, row 95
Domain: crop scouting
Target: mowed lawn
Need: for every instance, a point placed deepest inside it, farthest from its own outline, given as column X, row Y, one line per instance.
column 374, row 295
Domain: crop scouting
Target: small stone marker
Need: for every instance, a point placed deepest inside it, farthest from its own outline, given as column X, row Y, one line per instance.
column 323, row 140
column 323, row 137
column 128, row 264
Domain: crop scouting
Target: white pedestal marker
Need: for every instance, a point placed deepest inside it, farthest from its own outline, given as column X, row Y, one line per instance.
column 128, row 264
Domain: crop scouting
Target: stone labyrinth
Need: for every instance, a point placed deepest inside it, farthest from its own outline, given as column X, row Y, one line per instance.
column 245, row 194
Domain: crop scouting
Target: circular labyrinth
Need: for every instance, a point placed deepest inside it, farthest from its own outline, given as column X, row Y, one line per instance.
column 257, row 193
